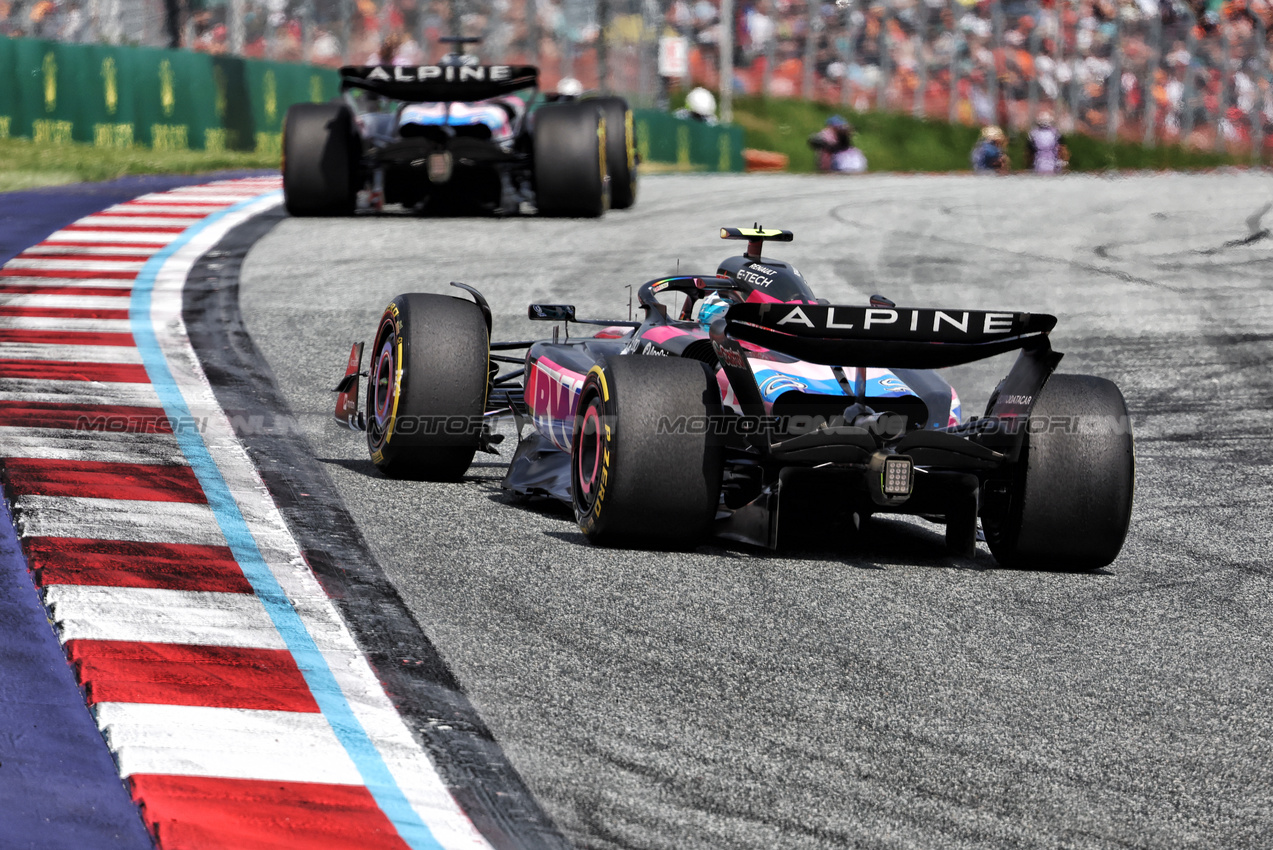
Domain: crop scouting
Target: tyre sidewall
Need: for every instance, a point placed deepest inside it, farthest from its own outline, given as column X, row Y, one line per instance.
column 440, row 352
column 621, row 159
column 592, row 513
column 658, row 487
column 320, row 160
column 570, row 160
column 1075, row 480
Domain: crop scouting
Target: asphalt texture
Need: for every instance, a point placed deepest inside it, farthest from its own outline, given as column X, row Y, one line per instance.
column 874, row 692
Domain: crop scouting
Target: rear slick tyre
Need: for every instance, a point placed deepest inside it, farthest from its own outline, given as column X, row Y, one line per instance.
column 427, row 389
column 570, row 160
column 643, row 473
column 320, row 160
column 1071, row 501
column 621, row 158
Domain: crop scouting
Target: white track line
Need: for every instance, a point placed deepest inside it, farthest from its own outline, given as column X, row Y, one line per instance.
column 88, row 284
column 59, row 302
column 130, row 222
column 160, row 209
column 78, row 392
column 117, row 519
column 84, row 250
column 55, row 323
column 95, row 265
column 74, row 353
column 279, row 746
column 122, row 237
column 94, row 446
column 84, row 612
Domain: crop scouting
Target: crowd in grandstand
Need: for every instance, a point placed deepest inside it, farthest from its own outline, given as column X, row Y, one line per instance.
column 1153, row 69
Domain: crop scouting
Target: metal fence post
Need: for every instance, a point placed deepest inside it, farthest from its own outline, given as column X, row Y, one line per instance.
column 1186, row 99
column 603, row 52
column 1058, row 57
column 235, row 28
column 1152, row 67
column 645, row 61
column 306, row 14
column 996, row 15
column 886, row 65
column 726, row 46
column 921, row 67
column 850, row 47
column 1257, row 116
column 813, row 29
column 1076, row 89
column 956, row 40
column 346, row 30
column 1114, row 83
column 1036, row 13
column 1226, row 57
column 771, row 53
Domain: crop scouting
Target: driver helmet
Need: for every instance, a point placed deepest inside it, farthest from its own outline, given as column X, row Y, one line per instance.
column 713, row 307
column 701, row 102
column 993, row 134
column 569, row 87
column 459, row 60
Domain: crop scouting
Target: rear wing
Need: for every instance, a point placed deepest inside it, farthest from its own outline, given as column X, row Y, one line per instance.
column 436, row 83
column 898, row 338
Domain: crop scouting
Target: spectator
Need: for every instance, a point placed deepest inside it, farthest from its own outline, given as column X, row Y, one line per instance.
column 1045, row 150
column 991, row 152
column 388, row 52
column 700, row 105
column 834, row 150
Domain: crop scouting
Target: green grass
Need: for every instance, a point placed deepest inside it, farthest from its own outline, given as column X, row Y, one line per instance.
column 891, row 142
column 894, row 142
column 26, row 165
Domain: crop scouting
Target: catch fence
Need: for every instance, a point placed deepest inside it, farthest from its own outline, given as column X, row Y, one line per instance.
column 1151, row 71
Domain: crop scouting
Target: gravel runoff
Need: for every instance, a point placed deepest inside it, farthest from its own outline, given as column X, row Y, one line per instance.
column 882, row 694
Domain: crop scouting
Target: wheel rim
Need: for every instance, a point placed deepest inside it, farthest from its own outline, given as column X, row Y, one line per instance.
column 588, row 456
column 383, row 390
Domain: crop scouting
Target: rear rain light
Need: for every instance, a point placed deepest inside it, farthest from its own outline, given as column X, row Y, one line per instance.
column 891, row 478
column 898, row 473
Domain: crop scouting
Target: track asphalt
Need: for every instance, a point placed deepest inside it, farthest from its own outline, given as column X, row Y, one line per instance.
column 877, row 693
column 873, row 694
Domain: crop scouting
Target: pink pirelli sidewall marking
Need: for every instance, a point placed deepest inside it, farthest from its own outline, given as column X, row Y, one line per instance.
column 211, row 717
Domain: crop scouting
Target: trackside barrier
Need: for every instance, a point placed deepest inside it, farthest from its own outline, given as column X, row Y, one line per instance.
column 686, row 144
column 163, row 99
column 118, row 97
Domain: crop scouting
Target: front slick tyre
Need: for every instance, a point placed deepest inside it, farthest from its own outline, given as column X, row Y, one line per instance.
column 427, row 390
column 1071, row 501
column 644, row 472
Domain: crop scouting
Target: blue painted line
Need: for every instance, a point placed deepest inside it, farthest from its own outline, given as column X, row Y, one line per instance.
column 322, row 683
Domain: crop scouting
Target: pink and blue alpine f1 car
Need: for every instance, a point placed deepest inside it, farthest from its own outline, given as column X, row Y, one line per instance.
column 739, row 392
column 458, row 136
